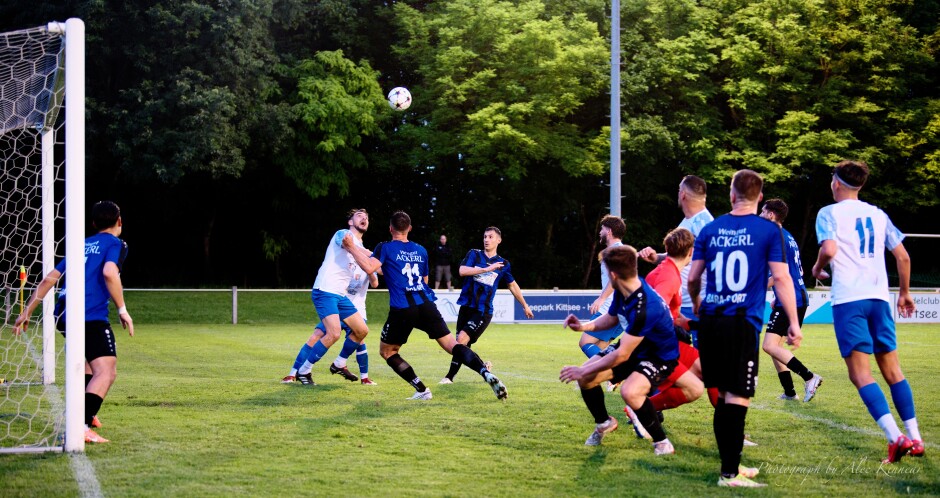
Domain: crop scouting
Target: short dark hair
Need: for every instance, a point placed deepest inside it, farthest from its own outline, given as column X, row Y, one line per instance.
column 853, row 173
column 679, row 242
column 352, row 212
column 494, row 229
column 616, row 225
column 748, row 184
column 105, row 214
column 778, row 208
column 620, row 260
column 400, row 221
column 695, row 185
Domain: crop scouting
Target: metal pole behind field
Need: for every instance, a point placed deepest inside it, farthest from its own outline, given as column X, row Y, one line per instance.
column 234, row 305
column 615, row 108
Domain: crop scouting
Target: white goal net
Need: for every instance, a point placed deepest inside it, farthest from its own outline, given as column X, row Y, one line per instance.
column 32, row 229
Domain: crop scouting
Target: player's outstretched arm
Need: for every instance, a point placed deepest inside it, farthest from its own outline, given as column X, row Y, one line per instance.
column 650, row 255
column 48, row 282
column 906, row 306
column 112, row 280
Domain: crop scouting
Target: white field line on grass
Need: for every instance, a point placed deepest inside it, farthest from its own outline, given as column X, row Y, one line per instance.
column 84, row 471
column 758, row 406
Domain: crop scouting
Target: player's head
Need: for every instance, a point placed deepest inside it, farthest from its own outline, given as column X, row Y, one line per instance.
column 358, row 219
column 620, row 261
column 851, row 175
column 400, row 222
column 443, row 240
column 491, row 238
column 775, row 210
column 612, row 227
column 105, row 215
column 746, row 185
column 678, row 243
column 692, row 189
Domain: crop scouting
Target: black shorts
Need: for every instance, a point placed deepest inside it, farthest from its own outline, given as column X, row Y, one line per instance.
column 473, row 322
column 653, row 369
column 728, row 349
column 779, row 323
column 99, row 339
column 401, row 321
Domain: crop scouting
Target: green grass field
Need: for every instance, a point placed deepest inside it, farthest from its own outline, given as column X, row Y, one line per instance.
column 198, row 410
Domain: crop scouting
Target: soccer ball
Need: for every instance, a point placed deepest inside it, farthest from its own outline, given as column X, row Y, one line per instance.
column 399, row 98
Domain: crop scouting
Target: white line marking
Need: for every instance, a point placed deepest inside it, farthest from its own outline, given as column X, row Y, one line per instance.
column 84, row 471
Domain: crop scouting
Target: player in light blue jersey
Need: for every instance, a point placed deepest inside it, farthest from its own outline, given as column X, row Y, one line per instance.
column 776, row 211
column 330, row 298
column 611, row 233
column 104, row 256
column 736, row 250
column 852, row 236
column 411, row 305
column 486, row 270
column 693, row 193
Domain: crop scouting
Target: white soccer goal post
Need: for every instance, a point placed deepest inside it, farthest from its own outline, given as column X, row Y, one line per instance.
column 42, row 188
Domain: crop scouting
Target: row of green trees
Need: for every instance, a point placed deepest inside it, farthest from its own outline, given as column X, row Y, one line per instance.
column 236, row 133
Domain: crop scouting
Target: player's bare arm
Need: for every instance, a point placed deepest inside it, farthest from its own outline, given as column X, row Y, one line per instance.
column 695, row 283
column 596, row 305
column 906, row 306
column 48, row 282
column 362, row 255
column 593, row 366
column 517, row 293
column 112, row 280
column 469, row 271
column 786, row 296
column 827, row 251
column 650, row 255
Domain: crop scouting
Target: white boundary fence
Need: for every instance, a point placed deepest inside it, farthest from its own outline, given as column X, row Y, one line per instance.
column 552, row 306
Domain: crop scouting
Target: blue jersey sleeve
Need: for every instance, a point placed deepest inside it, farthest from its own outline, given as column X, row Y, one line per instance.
column 825, row 225
column 616, row 304
column 777, row 252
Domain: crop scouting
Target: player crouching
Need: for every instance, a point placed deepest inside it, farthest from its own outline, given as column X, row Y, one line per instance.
column 647, row 353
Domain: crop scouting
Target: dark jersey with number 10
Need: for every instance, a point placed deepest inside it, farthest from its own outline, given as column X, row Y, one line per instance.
column 736, row 251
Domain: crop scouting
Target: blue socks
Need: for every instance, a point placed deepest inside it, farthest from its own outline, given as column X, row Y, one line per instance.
column 590, row 350
column 874, row 400
column 316, row 352
column 349, row 346
column 903, row 399
column 302, row 356
column 362, row 358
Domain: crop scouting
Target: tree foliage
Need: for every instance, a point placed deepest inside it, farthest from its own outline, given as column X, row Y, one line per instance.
column 204, row 105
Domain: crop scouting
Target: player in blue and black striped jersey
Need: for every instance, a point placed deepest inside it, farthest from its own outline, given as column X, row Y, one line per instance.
column 104, row 255
column 486, row 269
column 411, row 304
column 776, row 211
column 645, row 356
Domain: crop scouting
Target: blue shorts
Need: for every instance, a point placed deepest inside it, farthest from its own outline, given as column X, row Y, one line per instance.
column 606, row 335
column 865, row 326
column 328, row 304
